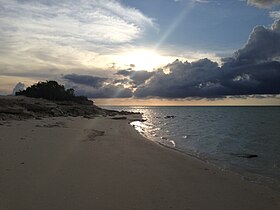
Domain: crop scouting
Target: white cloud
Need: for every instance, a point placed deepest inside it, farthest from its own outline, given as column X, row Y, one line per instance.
column 48, row 34
column 195, row 1
column 202, row 1
column 264, row 3
column 275, row 14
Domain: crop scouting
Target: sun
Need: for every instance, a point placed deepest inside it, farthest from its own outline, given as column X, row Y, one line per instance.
column 142, row 59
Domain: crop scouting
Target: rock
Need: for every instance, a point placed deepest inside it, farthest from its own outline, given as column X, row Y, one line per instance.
column 21, row 108
column 35, row 107
column 125, row 113
column 169, row 117
column 140, row 120
column 119, row 118
column 244, row 155
column 10, row 110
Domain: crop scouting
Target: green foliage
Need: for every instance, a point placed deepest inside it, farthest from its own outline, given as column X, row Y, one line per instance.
column 51, row 90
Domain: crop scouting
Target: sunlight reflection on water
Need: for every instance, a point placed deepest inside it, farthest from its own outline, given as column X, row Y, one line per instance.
column 217, row 133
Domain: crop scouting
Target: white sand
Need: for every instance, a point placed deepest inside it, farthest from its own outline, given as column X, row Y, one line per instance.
column 72, row 167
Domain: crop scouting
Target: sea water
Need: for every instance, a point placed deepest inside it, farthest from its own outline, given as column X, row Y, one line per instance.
column 242, row 139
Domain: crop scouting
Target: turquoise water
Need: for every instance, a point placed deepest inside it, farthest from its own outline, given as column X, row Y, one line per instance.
column 224, row 136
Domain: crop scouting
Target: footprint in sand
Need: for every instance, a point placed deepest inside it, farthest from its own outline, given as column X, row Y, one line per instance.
column 92, row 134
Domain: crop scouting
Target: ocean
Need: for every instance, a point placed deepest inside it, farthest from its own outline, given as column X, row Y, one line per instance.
column 241, row 139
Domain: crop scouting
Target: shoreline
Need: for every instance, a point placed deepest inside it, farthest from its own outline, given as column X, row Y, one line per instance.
column 104, row 163
column 254, row 177
column 244, row 175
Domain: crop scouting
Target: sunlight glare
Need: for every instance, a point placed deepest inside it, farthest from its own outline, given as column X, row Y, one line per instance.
column 143, row 59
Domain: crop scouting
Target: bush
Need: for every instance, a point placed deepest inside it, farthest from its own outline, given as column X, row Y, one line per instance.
column 51, row 90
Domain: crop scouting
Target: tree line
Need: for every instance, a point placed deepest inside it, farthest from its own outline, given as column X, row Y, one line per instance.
column 53, row 91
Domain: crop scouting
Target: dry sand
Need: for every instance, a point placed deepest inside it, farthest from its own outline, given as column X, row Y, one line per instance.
column 101, row 163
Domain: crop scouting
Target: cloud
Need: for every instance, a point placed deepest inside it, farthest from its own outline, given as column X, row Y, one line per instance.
column 275, row 14
column 202, row 1
column 96, row 87
column 254, row 69
column 264, row 3
column 43, row 38
column 136, row 77
column 108, row 91
column 19, row 86
column 88, row 20
column 196, row 1
column 91, row 81
column 196, row 79
column 66, row 34
column 263, row 45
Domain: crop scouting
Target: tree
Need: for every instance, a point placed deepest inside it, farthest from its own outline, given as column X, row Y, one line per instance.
column 51, row 90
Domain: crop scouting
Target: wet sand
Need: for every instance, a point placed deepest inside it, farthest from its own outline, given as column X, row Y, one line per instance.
column 102, row 163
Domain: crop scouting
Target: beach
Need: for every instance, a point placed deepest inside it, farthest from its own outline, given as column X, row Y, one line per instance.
column 240, row 139
column 104, row 163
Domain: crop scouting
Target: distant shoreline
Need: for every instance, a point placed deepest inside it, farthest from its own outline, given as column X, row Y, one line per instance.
column 190, row 106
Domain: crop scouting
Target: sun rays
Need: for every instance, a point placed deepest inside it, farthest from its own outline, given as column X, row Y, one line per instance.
column 142, row 59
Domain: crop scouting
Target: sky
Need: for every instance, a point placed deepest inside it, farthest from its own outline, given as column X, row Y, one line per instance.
column 148, row 52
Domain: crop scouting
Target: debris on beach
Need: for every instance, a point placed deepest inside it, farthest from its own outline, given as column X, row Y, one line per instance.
column 169, row 117
column 244, row 155
column 119, row 118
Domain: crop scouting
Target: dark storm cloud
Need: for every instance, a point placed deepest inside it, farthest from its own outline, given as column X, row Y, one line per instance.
column 87, row 80
column 96, row 87
column 107, row 91
column 136, row 77
column 262, row 78
column 264, row 3
column 196, row 79
column 254, row 69
column 262, row 46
